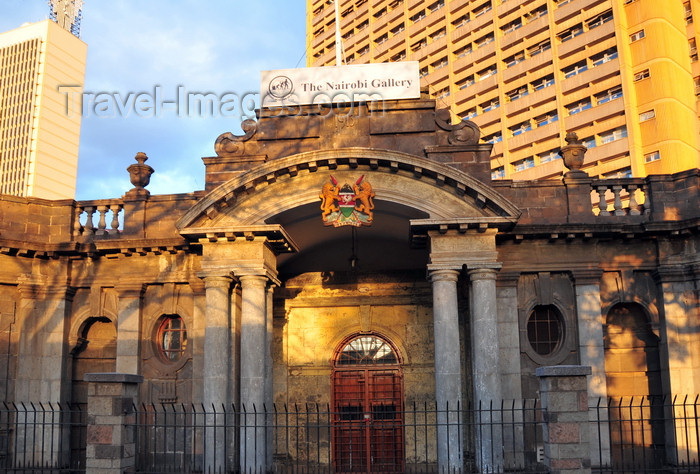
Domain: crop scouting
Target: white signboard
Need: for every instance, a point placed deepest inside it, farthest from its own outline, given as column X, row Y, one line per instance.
column 330, row 84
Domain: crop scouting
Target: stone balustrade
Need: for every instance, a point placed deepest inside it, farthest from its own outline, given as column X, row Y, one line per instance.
column 619, row 197
column 109, row 218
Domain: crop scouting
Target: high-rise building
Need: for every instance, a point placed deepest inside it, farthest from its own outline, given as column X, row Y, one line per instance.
column 42, row 67
column 623, row 74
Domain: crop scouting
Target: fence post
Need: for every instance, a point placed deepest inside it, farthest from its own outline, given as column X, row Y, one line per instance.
column 566, row 431
column 111, row 446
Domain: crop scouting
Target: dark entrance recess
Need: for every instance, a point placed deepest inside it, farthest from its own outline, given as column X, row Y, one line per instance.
column 367, row 405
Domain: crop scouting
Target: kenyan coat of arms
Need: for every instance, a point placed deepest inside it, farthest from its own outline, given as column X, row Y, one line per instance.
column 347, row 205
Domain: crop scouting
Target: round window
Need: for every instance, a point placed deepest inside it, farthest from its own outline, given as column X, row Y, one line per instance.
column 172, row 338
column 545, row 330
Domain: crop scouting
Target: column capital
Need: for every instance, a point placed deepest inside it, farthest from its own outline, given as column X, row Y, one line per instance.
column 215, row 280
column 482, row 274
column 671, row 274
column 508, row 279
column 587, row 276
column 39, row 289
column 442, row 274
column 130, row 289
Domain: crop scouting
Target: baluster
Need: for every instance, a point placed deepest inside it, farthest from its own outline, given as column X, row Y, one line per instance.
column 617, row 204
column 102, row 222
column 634, row 207
column 77, row 226
column 602, row 203
column 116, row 209
column 89, row 226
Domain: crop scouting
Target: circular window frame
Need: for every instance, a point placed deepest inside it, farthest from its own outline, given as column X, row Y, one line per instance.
column 561, row 351
column 157, row 344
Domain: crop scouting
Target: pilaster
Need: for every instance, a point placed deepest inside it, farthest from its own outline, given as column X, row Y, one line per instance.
column 129, row 327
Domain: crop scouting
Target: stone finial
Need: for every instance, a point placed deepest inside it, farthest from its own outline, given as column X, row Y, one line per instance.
column 573, row 153
column 140, row 175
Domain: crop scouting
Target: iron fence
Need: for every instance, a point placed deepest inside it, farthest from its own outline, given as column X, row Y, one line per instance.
column 42, row 437
column 313, row 438
column 639, row 435
column 650, row 434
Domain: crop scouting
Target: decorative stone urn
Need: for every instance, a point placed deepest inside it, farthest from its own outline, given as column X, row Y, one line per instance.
column 140, row 175
column 573, row 153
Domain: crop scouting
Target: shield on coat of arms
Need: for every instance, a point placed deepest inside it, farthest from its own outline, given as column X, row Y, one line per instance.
column 346, row 204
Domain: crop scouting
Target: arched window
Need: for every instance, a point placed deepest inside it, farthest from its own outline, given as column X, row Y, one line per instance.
column 545, row 330
column 366, row 350
column 171, row 338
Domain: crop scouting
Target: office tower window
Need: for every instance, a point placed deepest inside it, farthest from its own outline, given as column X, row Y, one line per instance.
column 575, row 69
column 521, row 128
column 485, row 73
column 571, row 33
column 636, row 36
column 484, row 40
column 651, row 157
column 688, row 13
column 438, row 34
column 588, row 142
column 648, row 115
column 539, row 48
column 536, row 13
column 547, row 118
column 548, row 156
column 512, row 26
column 608, row 95
column 498, row 173
column 436, row 6
column 480, row 10
column 693, row 47
column 466, row 82
column 546, row 81
column 463, row 51
column 522, row 165
column 579, row 106
column 490, row 105
column 617, row 174
column 495, row 138
column 644, row 74
column 599, row 20
column 516, row 58
column 516, row 94
column 613, row 135
column 461, row 21
column 469, row 114
column 604, row 57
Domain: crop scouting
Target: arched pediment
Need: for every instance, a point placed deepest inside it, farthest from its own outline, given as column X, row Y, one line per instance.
column 442, row 193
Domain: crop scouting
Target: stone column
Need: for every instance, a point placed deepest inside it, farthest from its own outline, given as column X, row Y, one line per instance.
column 111, row 436
column 216, row 369
column 254, row 354
column 448, row 370
column 566, row 432
column 269, row 395
column 129, row 328
column 486, row 366
column 592, row 350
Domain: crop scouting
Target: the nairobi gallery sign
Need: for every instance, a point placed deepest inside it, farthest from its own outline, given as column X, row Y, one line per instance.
column 330, row 84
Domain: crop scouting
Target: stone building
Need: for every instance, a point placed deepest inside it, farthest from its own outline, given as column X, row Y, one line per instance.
column 456, row 291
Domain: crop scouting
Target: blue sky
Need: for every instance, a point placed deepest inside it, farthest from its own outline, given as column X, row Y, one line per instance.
column 138, row 46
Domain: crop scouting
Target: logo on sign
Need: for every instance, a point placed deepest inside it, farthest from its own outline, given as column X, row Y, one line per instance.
column 280, row 87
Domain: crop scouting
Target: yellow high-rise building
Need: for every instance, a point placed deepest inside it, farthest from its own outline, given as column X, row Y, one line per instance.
column 623, row 74
column 42, row 68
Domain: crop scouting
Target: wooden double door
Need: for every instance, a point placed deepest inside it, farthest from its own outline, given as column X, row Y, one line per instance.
column 368, row 420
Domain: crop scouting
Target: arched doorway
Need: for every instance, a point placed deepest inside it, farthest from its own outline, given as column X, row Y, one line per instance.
column 367, row 395
column 633, row 374
column 96, row 351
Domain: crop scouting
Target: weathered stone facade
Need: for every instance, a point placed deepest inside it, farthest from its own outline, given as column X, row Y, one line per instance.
column 453, row 273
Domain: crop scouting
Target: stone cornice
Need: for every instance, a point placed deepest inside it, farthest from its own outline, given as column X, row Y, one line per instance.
column 275, row 235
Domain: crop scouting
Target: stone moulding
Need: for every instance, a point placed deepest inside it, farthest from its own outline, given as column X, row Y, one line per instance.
column 475, row 194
